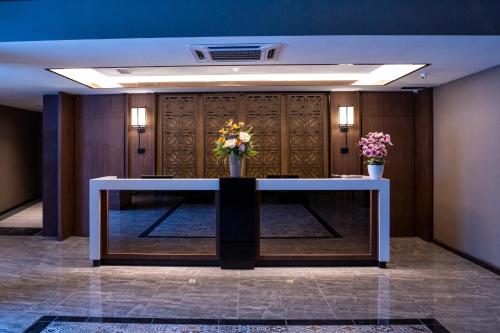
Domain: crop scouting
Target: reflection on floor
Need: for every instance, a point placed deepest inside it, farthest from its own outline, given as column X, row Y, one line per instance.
column 297, row 223
column 41, row 276
column 24, row 221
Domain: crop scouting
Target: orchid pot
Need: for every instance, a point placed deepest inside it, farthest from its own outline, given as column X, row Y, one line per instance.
column 375, row 171
column 374, row 149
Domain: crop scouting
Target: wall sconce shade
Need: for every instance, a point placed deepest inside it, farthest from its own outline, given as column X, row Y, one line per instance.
column 346, row 116
column 138, row 120
column 138, row 117
column 346, row 120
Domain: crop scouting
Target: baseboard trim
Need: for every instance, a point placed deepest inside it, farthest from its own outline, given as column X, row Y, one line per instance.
column 466, row 256
column 19, row 207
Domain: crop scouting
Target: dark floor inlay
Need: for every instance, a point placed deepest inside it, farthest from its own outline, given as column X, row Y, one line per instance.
column 48, row 324
column 15, row 231
column 278, row 221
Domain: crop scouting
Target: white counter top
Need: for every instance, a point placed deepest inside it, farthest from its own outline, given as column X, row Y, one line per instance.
column 263, row 184
column 318, row 184
column 137, row 184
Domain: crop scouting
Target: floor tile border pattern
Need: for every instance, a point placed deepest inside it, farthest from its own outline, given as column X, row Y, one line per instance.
column 432, row 324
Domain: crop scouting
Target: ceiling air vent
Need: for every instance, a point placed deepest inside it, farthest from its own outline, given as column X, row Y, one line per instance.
column 235, row 53
column 200, row 55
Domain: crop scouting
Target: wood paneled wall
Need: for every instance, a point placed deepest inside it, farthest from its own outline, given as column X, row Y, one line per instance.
column 348, row 163
column 291, row 133
column 58, row 165
column 392, row 112
column 307, row 125
column 299, row 131
column 50, row 162
column 180, row 136
column 141, row 164
column 100, row 146
column 217, row 109
column 424, row 164
column 264, row 112
column 66, row 181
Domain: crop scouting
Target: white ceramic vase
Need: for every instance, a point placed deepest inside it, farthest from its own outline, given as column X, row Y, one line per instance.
column 375, row 171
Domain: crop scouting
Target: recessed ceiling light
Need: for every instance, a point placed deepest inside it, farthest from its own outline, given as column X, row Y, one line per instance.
column 196, row 76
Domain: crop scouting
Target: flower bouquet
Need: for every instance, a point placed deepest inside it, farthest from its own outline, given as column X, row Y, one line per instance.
column 374, row 149
column 235, row 143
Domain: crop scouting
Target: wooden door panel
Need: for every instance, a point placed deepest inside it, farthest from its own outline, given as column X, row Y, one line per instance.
column 179, row 123
column 263, row 111
column 217, row 109
column 308, row 134
column 291, row 133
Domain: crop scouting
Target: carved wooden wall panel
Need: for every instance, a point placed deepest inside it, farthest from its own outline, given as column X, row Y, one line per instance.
column 217, row 109
column 291, row 133
column 178, row 114
column 263, row 111
column 306, row 123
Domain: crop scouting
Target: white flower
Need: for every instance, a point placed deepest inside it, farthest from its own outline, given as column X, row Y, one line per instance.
column 244, row 137
column 230, row 143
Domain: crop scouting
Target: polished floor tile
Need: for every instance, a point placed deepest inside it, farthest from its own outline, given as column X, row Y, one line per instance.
column 41, row 277
column 30, row 217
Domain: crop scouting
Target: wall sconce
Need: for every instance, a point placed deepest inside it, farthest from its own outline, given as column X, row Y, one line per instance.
column 138, row 121
column 346, row 120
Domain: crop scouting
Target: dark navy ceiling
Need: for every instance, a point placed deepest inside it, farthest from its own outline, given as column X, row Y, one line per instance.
column 92, row 19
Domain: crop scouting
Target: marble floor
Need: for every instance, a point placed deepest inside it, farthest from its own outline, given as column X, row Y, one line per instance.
column 43, row 277
column 29, row 217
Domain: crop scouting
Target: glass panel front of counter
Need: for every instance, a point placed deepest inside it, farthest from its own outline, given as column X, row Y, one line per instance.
column 161, row 223
column 315, row 223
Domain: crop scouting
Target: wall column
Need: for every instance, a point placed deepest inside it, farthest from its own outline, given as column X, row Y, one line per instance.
column 58, row 160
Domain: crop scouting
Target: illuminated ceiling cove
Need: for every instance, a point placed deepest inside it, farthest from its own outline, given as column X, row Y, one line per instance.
column 261, row 75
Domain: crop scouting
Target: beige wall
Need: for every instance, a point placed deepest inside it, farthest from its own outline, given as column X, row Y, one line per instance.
column 467, row 165
column 20, row 156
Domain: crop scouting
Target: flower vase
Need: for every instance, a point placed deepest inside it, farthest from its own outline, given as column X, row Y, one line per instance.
column 235, row 165
column 375, row 171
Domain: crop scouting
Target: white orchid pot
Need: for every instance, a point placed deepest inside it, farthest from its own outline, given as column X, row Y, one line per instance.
column 375, row 171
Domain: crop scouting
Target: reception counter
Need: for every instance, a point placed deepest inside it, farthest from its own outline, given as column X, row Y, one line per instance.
column 238, row 216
